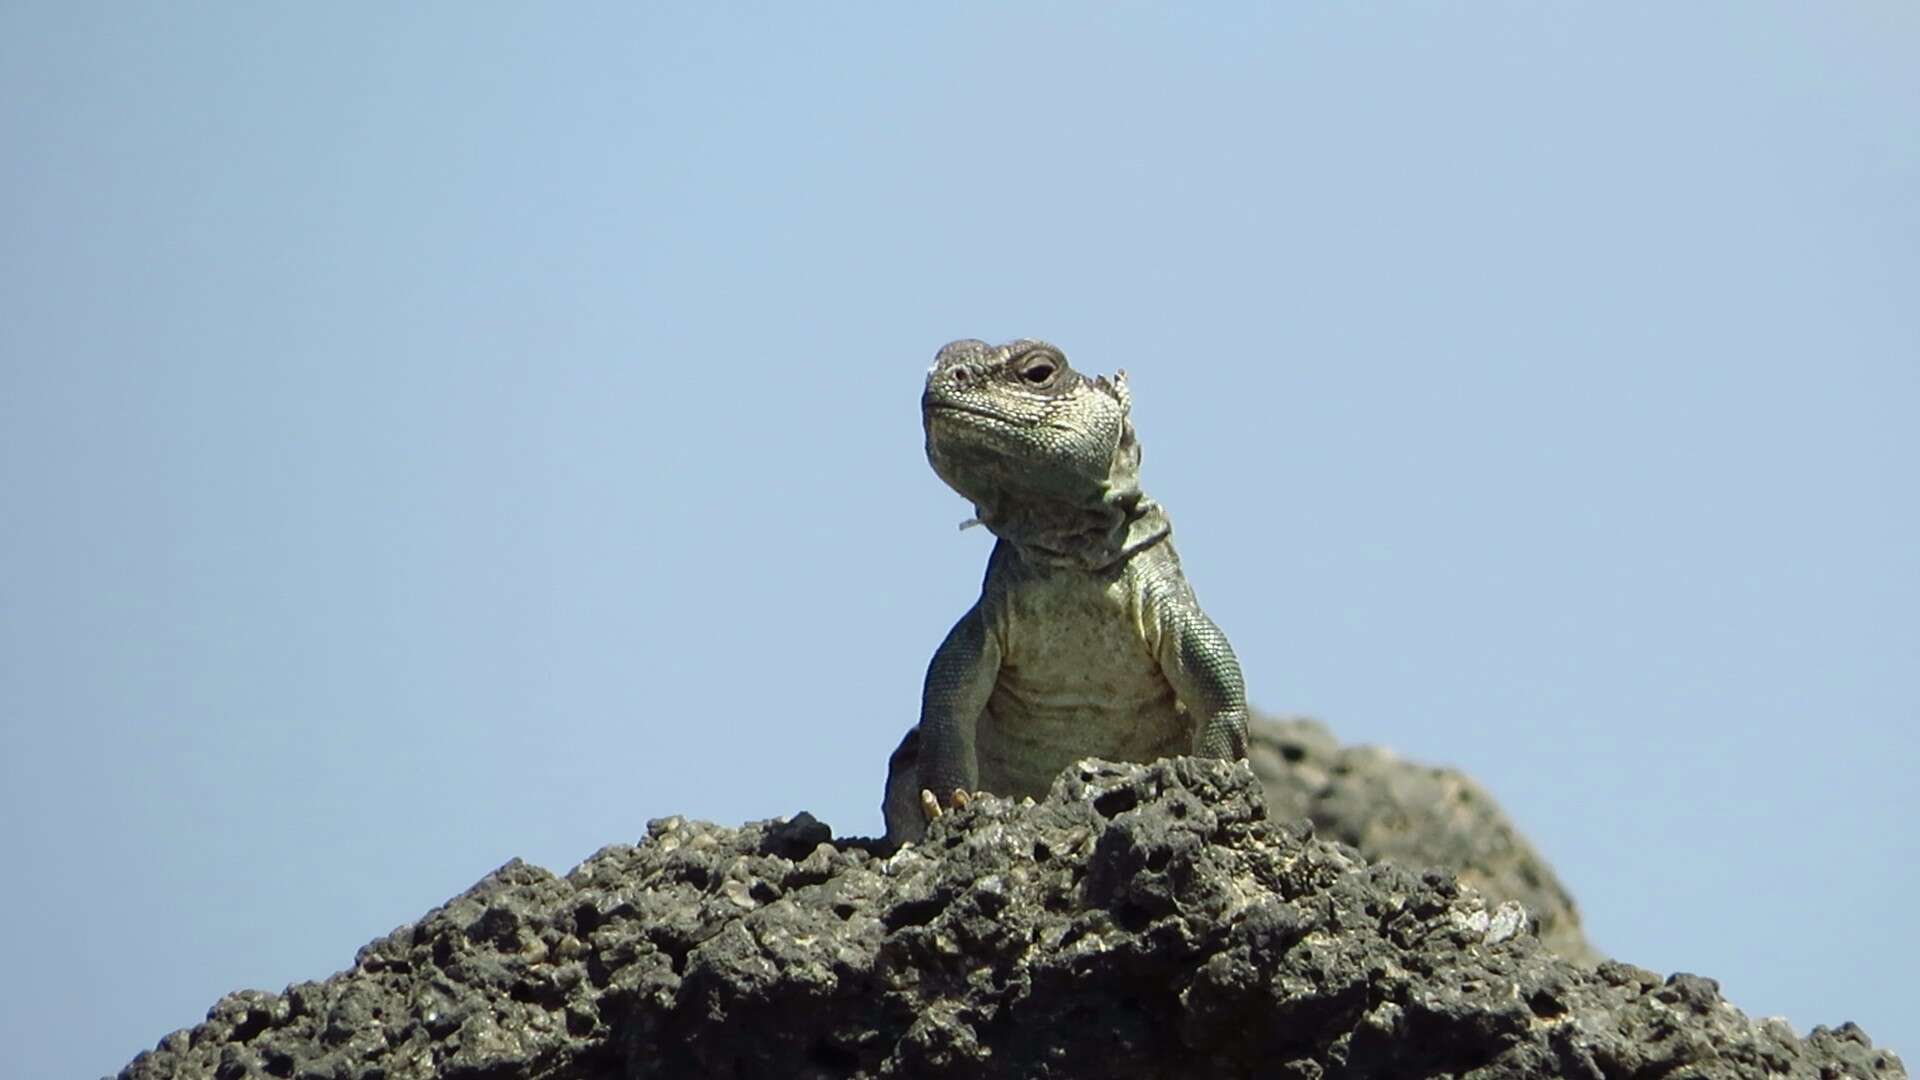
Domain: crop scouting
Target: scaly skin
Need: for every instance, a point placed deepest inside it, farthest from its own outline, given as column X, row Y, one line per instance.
column 1086, row 640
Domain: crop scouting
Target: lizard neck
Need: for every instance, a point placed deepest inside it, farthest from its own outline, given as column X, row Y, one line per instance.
column 1083, row 538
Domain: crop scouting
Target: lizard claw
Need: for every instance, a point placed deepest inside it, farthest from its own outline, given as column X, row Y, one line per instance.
column 930, row 804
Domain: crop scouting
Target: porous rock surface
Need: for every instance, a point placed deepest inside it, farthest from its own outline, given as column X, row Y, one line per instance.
column 1141, row 921
column 1415, row 816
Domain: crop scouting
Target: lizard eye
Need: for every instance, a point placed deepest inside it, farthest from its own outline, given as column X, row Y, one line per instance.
column 1039, row 371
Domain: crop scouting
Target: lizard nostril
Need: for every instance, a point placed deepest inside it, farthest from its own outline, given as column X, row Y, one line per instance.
column 959, row 376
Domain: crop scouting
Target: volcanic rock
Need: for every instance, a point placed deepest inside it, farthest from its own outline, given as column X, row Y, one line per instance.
column 1141, row 921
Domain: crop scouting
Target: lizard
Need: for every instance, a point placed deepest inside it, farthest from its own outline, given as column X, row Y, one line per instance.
column 1086, row 640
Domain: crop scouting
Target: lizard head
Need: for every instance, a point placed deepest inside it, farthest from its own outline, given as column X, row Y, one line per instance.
column 1046, row 454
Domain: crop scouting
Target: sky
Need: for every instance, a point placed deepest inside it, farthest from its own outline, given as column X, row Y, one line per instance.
column 437, row 434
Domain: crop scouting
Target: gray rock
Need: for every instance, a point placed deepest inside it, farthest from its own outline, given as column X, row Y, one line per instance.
column 1141, row 921
column 1415, row 816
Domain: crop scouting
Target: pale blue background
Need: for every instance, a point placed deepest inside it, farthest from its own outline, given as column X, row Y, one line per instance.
column 439, row 435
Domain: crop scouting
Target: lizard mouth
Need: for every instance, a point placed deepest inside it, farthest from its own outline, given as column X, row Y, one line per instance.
column 974, row 410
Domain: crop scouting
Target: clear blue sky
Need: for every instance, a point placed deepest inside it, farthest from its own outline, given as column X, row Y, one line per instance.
column 438, row 434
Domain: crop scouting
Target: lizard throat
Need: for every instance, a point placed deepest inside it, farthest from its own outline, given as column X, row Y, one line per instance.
column 1085, row 538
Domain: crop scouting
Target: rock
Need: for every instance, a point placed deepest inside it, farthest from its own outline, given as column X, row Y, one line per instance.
column 1141, row 921
column 1415, row 816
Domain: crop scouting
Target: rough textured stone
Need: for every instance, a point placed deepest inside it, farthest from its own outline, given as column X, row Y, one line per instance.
column 1412, row 815
column 1141, row 921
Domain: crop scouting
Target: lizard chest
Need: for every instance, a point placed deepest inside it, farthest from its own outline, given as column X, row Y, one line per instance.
column 1078, row 678
column 1076, row 637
